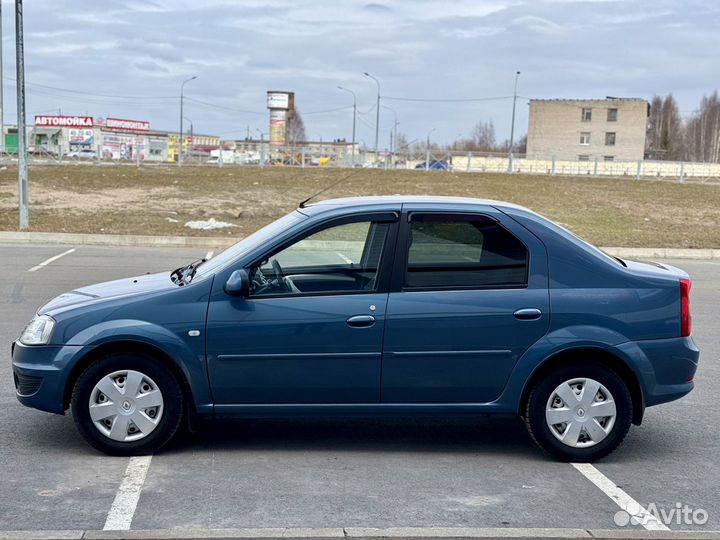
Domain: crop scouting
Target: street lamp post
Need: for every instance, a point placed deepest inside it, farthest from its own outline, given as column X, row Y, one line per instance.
column 352, row 159
column 377, row 113
column 180, row 136
column 427, row 150
column 512, row 124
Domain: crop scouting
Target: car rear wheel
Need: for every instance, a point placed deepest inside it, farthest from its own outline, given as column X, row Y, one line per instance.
column 579, row 412
column 127, row 404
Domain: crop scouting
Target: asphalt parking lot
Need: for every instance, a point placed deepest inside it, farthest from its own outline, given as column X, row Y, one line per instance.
column 397, row 472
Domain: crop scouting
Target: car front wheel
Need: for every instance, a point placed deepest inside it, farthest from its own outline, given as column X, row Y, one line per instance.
column 127, row 404
column 579, row 412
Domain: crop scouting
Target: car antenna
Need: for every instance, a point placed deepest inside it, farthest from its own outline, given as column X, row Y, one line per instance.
column 311, row 197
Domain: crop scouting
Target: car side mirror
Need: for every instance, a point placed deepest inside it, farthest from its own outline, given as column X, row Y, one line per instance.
column 238, row 284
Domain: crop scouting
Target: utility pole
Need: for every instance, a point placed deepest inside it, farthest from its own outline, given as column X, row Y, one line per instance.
column 393, row 130
column 180, row 135
column 512, row 125
column 427, row 150
column 354, row 118
column 22, row 143
column 2, row 85
column 377, row 114
column 190, row 138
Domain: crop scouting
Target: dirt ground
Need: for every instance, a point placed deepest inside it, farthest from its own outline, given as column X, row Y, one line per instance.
column 160, row 199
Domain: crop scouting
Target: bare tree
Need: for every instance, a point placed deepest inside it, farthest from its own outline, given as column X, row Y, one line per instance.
column 483, row 136
column 666, row 137
column 703, row 131
column 295, row 128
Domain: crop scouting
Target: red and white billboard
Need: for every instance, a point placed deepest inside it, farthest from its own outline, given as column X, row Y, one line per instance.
column 120, row 124
column 63, row 121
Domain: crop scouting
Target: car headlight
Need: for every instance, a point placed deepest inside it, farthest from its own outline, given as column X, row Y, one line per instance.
column 39, row 331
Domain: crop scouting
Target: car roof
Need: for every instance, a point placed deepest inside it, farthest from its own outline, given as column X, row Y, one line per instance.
column 379, row 200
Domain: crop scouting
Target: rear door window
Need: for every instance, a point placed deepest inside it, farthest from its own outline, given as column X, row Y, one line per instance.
column 447, row 252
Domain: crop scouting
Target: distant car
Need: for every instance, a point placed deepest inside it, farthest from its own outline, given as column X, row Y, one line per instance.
column 84, row 153
column 403, row 305
column 436, row 165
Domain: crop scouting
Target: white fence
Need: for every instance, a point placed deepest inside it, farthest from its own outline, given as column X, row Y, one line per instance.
column 436, row 161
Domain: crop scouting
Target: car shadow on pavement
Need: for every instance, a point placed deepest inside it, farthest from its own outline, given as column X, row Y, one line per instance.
column 385, row 434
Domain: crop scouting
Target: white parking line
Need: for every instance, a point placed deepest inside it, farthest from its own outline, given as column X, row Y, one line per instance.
column 123, row 507
column 51, row 259
column 639, row 513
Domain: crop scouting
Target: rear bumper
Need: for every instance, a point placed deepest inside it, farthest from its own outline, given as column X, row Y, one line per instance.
column 40, row 373
column 666, row 368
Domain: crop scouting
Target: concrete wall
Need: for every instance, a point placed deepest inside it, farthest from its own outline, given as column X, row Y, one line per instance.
column 555, row 128
column 660, row 169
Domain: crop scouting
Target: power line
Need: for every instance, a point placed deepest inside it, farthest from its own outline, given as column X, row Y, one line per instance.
column 438, row 100
column 80, row 92
column 221, row 107
column 328, row 110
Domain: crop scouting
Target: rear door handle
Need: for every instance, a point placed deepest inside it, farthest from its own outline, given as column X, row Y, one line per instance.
column 527, row 314
column 361, row 321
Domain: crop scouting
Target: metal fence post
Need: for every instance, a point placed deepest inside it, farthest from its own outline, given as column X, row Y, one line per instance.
column 682, row 172
column 552, row 170
column 639, row 169
column 302, row 157
column 510, row 163
column 469, row 158
column 596, row 167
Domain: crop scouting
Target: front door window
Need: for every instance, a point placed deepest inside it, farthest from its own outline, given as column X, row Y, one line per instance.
column 340, row 259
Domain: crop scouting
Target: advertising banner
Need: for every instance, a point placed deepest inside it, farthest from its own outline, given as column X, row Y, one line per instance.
column 80, row 137
column 278, row 100
column 278, row 127
column 63, row 121
column 120, row 124
column 123, row 147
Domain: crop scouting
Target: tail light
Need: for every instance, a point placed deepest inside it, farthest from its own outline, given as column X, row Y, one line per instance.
column 685, row 318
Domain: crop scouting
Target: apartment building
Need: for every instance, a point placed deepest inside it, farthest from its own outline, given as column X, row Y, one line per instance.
column 611, row 129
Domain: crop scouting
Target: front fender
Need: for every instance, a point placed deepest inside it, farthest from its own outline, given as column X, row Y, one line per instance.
column 188, row 358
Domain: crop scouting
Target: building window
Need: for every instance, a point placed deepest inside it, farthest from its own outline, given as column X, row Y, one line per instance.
column 610, row 138
column 583, row 157
column 612, row 115
column 586, row 115
column 608, row 158
column 585, row 138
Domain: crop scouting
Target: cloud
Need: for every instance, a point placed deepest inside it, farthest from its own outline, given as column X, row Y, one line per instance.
column 416, row 48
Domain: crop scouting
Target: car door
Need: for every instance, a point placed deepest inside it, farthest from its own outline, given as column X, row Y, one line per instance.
column 311, row 329
column 469, row 296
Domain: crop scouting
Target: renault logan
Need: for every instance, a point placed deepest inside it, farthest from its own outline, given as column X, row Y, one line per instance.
column 402, row 305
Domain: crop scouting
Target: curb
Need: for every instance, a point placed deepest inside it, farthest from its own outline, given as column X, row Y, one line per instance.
column 410, row 533
column 132, row 240
column 215, row 242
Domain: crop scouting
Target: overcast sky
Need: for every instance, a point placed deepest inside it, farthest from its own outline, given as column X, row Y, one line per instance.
column 458, row 49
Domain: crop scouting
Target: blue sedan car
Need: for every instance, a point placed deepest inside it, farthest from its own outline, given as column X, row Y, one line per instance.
column 401, row 305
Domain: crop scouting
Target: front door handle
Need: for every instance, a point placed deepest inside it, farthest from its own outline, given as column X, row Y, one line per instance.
column 527, row 314
column 361, row 321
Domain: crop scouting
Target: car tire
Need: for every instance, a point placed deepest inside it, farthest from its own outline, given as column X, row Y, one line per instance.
column 127, row 404
column 569, row 412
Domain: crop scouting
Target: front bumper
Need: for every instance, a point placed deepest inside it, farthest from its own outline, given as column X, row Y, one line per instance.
column 40, row 373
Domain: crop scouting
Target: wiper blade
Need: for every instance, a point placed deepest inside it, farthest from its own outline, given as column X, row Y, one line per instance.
column 184, row 274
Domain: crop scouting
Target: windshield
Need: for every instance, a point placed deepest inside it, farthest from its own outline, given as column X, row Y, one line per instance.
column 246, row 245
